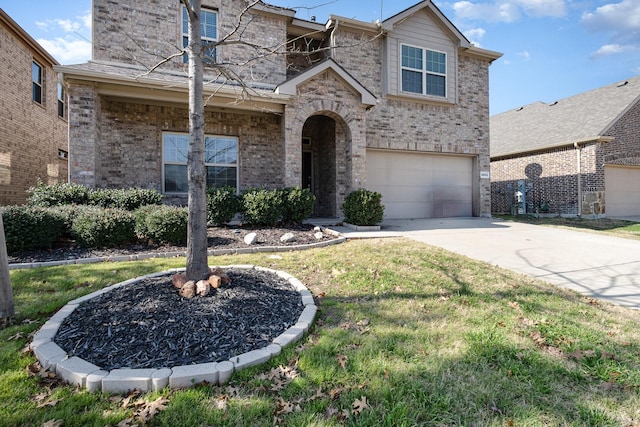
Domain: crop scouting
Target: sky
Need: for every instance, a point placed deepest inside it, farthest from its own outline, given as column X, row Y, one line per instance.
column 551, row 49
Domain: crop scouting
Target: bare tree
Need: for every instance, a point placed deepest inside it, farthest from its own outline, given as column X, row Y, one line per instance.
column 6, row 293
column 197, row 264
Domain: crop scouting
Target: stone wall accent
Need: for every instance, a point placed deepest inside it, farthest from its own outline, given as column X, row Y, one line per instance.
column 145, row 32
column 31, row 134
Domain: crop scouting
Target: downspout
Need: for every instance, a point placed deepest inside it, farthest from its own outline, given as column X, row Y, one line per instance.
column 332, row 38
column 579, row 175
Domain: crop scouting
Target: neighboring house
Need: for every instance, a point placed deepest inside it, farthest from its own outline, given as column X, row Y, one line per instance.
column 579, row 156
column 33, row 122
column 400, row 107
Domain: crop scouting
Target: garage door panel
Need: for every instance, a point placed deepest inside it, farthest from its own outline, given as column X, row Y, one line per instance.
column 417, row 185
column 622, row 197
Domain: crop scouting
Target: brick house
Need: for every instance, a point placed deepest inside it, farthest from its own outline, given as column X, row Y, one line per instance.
column 400, row 107
column 33, row 123
column 579, row 156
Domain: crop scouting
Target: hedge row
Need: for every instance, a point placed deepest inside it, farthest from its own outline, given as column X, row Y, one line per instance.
column 75, row 194
column 259, row 206
column 36, row 228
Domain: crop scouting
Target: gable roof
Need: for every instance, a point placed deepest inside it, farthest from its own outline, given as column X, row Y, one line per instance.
column 290, row 86
column 581, row 118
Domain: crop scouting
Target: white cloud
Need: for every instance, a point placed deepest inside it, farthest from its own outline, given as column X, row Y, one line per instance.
column 67, row 50
column 68, row 26
column 475, row 35
column 621, row 21
column 509, row 10
column 611, row 49
column 524, row 55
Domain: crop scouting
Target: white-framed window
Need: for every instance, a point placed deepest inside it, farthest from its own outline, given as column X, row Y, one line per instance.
column 38, row 83
column 424, row 71
column 61, row 102
column 208, row 32
column 221, row 161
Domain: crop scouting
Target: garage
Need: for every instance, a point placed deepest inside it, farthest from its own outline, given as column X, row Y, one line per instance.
column 418, row 185
column 622, row 197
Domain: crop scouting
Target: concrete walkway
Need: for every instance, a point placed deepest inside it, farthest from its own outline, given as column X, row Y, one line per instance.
column 597, row 265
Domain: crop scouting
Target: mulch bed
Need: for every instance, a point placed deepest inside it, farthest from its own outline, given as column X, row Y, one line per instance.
column 230, row 237
column 148, row 325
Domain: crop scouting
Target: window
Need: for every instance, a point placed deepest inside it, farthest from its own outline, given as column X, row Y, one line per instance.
column 221, row 161
column 61, row 103
column 208, row 31
column 424, row 71
column 36, row 76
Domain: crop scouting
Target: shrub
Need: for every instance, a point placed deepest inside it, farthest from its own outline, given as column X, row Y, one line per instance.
column 162, row 224
column 297, row 204
column 363, row 207
column 74, row 194
column 58, row 194
column 128, row 199
column 262, row 207
column 103, row 227
column 29, row 227
column 222, row 205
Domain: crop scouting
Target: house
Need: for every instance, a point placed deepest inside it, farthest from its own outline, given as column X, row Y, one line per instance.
column 33, row 122
column 399, row 107
column 578, row 157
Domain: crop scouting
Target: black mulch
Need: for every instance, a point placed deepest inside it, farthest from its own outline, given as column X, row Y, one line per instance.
column 229, row 237
column 148, row 325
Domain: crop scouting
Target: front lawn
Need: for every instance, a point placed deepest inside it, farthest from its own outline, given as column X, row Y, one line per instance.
column 615, row 227
column 406, row 334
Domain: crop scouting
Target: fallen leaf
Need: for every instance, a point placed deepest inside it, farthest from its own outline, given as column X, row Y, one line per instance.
column 342, row 360
column 150, row 409
column 127, row 422
column 16, row 336
column 514, row 305
column 537, row 338
column 53, row 423
column 29, row 321
column 577, row 355
column 336, row 392
column 283, row 407
column 359, row 405
column 51, row 402
column 220, row 403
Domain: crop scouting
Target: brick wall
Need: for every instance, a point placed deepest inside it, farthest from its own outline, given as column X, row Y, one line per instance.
column 129, row 152
column 30, row 134
column 145, row 32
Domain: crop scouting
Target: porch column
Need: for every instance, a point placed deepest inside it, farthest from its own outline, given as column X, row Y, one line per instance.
column 292, row 152
column 84, row 113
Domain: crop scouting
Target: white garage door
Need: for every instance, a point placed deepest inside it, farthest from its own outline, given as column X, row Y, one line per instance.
column 622, row 184
column 421, row 185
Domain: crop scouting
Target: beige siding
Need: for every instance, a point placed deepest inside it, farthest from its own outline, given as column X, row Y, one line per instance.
column 420, row 30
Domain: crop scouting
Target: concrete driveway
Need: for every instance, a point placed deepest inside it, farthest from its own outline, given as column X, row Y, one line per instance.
column 600, row 266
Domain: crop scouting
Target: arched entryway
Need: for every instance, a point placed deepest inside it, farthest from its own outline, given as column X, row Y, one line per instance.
column 326, row 161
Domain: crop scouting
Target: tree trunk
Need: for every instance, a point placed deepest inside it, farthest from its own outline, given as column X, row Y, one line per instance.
column 197, row 264
column 6, row 293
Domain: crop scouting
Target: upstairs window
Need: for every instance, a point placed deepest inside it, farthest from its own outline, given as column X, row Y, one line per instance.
column 424, row 71
column 221, row 161
column 208, row 32
column 61, row 103
column 36, row 77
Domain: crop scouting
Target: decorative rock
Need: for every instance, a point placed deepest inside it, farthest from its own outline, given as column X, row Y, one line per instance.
column 318, row 235
column 222, row 275
column 215, row 281
column 203, row 288
column 287, row 238
column 316, row 229
column 178, row 280
column 188, row 290
column 250, row 238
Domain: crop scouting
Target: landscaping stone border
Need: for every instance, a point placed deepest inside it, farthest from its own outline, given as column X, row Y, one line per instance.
column 77, row 371
column 211, row 252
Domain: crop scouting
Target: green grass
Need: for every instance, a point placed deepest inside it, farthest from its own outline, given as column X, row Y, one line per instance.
column 615, row 227
column 410, row 334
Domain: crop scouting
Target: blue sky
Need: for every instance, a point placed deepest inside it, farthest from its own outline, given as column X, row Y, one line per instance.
column 552, row 48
